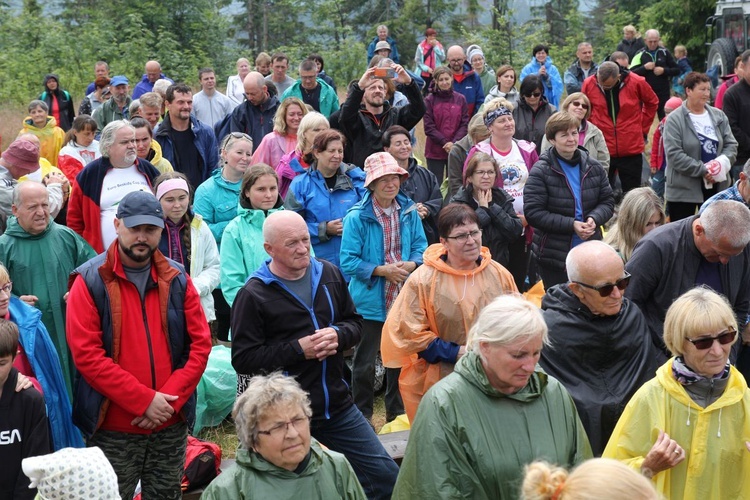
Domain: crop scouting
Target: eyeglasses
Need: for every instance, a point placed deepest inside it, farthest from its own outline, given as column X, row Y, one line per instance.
column 606, row 290
column 724, row 338
column 464, row 237
column 484, row 173
column 7, row 288
column 533, row 94
column 578, row 104
column 456, row 60
column 280, row 430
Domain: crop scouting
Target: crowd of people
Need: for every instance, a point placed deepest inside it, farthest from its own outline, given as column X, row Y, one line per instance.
column 297, row 227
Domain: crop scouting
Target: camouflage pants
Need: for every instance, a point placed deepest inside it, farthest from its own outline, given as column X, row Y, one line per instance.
column 157, row 460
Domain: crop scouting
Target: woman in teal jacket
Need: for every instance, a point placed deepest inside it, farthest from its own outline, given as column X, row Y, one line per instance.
column 242, row 252
column 378, row 268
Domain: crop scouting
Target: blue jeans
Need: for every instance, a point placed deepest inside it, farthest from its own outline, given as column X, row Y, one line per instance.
column 657, row 183
column 349, row 433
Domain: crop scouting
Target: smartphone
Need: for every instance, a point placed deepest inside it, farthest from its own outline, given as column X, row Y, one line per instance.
column 385, row 73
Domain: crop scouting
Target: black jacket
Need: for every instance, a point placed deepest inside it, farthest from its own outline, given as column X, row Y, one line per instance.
column 255, row 121
column 422, row 187
column 737, row 108
column 268, row 321
column 550, row 209
column 631, row 47
column 499, row 223
column 64, row 101
column 662, row 84
column 529, row 123
column 365, row 131
column 601, row 360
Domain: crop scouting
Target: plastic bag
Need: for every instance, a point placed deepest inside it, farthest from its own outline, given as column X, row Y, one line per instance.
column 216, row 389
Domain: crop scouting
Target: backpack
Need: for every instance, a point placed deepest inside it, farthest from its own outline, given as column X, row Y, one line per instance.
column 202, row 461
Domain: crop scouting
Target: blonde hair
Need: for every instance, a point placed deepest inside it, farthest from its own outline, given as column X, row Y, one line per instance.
column 577, row 96
column 636, row 210
column 680, row 50
column 695, row 313
column 309, row 122
column 506, row 320
column 592, row 480
column 279, row 119
column 498, row 102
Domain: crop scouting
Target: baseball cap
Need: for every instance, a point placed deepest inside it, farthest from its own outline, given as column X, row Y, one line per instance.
column 140, row 207
column 119, row 80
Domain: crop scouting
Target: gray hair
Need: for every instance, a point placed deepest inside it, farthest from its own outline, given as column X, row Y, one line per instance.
column 107, row 138
column 263, row 394
column 608, row 69
column 652, row 32
column 20, row 187
column 582, row 255
column 746, row 168
column 161, row 85
column 582, row 45
column 36, row 103
column 382, row 26
column 506, row 320
column 134, row 108
column 727, row 219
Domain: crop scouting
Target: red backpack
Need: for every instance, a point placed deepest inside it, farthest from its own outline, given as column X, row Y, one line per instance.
column 202, row 461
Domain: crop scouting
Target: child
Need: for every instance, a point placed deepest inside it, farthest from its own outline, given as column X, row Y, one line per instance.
column 80, row 147
column 683, row 63
column 45, row 128
column 658, row 158
column 23, row 421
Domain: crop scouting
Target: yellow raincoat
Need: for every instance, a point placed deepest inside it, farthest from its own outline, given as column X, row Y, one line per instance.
column 717, row 464
column 436, row 301
column 50, row 136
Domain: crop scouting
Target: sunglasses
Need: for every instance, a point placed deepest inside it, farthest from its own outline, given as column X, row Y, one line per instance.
column 579, row 105
column 724, row 338
column 606, row 290
column 533, row 94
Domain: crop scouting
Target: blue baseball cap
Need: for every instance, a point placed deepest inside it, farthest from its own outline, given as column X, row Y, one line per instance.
column 119, row 80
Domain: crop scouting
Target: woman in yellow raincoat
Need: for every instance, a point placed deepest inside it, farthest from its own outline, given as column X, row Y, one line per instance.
column 687, row 428
column 425, row 331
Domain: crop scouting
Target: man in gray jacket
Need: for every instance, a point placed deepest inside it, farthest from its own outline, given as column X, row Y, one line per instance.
column 710, row 249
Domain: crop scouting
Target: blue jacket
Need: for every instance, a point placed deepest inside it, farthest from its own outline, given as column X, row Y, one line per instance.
column 553, row 83
column 471, row 88
column 216, row 200
column 329, row 100
column 394, row 49
column 253, row 120
column 310, row 197
column 43, row 358
column 205, row 143
column 362, row 250
column 146, row 86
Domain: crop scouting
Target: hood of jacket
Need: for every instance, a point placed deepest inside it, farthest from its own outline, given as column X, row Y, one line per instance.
column 253, row 460
column 470, row 368
column 561, row 299
column 48, row 127
column 47, row 78
column 15, row 230
column 433, row 258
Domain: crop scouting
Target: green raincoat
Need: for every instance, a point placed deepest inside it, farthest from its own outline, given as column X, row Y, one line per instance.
column 471, row 441
column 327, row 476
column 39, row 265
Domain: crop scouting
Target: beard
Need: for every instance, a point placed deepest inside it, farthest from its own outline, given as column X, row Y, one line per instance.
column 135, row 256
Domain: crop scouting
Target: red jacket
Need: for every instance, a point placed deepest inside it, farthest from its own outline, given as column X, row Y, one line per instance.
column 631, row 106
column 657, row 148
column 141, row 363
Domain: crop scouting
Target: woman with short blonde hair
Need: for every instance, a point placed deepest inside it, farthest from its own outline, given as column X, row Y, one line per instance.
column 283, row 138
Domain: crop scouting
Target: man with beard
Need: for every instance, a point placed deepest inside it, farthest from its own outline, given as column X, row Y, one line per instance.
column 465, row 80
column 104, row 182
column 189, row 145
column 140, row 342
column 600, row 342
column 366, row 114
column 115, row 108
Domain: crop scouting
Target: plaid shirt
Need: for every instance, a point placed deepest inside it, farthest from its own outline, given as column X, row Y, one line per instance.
column 731, row 193
column 392, row 244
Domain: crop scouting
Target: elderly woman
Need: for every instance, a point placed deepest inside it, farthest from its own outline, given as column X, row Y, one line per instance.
column 641, row 212
column 384, row 244
column 515, row 159
column 532, row 111
column 589, row 135
column 506, row 86
column 425, row 332
column 478, row 427
column 566, row 200
column 699, row 147
column 686, row 428
column 494, row 207
column 325, row 193
column 297, row 162
column 278, row 458
column 283, row 139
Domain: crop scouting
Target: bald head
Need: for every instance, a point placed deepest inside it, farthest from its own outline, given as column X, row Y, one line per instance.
column 456, row 58
column 31, row 206
column 287, row 241
column 585, row 259
column 278, row 221
column 153, row 71
column 255, row 88
column 652, row 39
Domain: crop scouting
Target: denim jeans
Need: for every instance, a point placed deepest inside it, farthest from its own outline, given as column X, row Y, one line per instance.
column 349, row 433
column 657, row 183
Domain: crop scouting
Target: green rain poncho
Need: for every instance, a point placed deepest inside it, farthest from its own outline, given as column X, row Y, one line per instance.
column 471, row 441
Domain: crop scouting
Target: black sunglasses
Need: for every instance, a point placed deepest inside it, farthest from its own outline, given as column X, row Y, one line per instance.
column 606, row 290
column 724, row 338
column 533, row 94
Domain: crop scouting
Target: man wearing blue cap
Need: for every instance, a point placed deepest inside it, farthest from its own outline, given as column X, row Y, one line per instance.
column 115, row 108
column 140, row 342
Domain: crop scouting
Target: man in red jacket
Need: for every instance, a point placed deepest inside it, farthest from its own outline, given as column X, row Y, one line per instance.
column 623, row 106
column 140, row 342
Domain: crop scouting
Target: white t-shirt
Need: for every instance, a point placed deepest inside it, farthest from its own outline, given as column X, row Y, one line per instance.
column 117, row 183
column 515, row 174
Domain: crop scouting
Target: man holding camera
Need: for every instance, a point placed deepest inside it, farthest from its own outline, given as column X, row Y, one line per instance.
column 366, row 114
